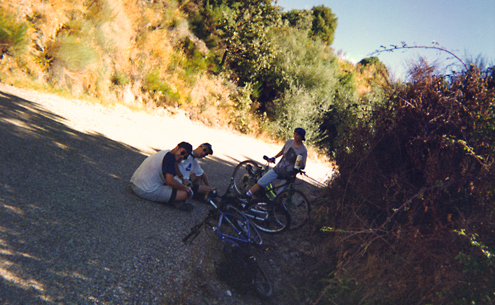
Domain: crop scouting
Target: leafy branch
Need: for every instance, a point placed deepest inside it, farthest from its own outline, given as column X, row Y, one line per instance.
column 404, row 45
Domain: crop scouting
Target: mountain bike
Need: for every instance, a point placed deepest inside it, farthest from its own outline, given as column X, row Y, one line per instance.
column 237, row 234
column 267, row 215
column 248, row 172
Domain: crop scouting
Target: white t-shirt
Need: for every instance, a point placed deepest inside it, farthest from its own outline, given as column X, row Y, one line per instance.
column 188, row 166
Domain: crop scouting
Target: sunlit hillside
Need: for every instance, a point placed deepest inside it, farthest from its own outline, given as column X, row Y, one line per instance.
column 145, row 54
column 128, row 51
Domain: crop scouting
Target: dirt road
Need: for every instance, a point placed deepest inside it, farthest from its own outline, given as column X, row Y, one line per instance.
column 70, row 229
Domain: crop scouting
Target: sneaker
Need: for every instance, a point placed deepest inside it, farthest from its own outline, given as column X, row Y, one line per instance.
column 184, row 206
column 245, row 198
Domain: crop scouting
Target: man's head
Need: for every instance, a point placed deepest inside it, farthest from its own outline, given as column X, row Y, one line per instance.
column 182, row 150
column 300, row 132
column 203, row 150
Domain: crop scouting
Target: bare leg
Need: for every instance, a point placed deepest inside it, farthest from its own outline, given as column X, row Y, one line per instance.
column 195, row 179
column 203, row 189
column 255, row 188
column 181, row 196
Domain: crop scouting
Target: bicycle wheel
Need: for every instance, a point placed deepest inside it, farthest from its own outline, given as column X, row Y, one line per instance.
column 259, row 280
column 245, row 175
column 242, row 224
column 268, row 217
column 297, row 205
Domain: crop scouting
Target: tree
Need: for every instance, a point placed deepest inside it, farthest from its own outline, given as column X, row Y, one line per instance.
column 305, row 75
column 299, row 19
column 324, row 24
column 245, row 32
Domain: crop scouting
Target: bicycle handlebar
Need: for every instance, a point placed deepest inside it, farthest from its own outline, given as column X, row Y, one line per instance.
column 268, row 159
column 195, row 230
column 296, row 171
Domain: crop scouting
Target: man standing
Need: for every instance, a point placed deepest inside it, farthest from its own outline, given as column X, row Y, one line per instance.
column 154, row 178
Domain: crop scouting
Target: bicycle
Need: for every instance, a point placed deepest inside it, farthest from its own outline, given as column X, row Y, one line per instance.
column 247, row 173
column 237, row 233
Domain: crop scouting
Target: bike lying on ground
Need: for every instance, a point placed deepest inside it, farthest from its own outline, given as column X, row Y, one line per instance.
column 237, row 234
column 248, row 172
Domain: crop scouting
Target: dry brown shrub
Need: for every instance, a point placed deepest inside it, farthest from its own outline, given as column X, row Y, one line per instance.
column 412, row 207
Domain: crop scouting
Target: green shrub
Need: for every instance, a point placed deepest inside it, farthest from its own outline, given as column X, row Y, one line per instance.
column 305, row 74
column 13, row 34
column 299, row 107
column 153, row 82
column 242, row 115
column 119, row 79
column 75, row 52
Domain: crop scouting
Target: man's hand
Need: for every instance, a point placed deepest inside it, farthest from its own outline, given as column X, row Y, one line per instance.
column 190, row 193
column 186, row 182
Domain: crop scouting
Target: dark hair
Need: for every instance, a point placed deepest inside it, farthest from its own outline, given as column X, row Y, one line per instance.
column 186, row 146
column 208, row 146
column 300, row 131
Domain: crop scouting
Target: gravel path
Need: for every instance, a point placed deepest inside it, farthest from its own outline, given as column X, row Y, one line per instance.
column 71, row 232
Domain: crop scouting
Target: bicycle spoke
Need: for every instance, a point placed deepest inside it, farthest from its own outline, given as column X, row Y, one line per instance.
column 260, row 281
column 245, row 175
column 297, row 205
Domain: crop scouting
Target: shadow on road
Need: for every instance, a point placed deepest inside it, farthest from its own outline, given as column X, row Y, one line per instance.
column 70, row 229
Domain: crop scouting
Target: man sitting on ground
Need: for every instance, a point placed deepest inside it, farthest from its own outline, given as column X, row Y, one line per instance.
column 154, row 178
column 191, row 174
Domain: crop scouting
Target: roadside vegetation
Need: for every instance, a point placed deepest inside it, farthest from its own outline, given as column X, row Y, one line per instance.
column 409, row 217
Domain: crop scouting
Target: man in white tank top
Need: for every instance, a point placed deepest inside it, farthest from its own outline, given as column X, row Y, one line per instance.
column 154, row 178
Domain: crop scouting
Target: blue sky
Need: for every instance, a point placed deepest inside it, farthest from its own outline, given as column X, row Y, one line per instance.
column 465, row 27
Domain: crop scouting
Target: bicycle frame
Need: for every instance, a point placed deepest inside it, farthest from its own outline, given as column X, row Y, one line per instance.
column 232, row 239
column 225, row 218
column 228, row 215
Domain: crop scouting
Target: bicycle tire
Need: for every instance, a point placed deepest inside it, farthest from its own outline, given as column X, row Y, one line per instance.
column 259, row 280
column 242, row 224
column 298, row 207
column 243, row 178
column 268, row 217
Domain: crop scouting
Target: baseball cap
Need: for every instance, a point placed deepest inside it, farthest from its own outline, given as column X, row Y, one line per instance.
column 301, row 132
column 208, row 147
column 186, row 146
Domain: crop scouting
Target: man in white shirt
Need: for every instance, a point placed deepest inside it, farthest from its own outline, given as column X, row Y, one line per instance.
column 191, row 174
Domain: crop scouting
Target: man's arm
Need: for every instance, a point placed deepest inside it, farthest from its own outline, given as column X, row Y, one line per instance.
column 205, row 179
column 178, row 172
column 175, row 184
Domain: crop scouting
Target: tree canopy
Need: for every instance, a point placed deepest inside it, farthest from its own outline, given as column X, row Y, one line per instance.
column 324, row 24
